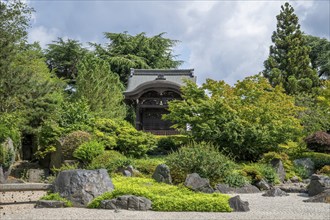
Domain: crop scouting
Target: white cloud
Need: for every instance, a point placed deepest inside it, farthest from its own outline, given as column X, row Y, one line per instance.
column 43, row 35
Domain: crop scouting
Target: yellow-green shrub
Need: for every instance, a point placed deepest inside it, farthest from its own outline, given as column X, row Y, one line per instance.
column 56, row 196
column 72, row 141
column 166, row 197
column 258, row 171
column 325, row 170
column 147, row 166
column 88, row 151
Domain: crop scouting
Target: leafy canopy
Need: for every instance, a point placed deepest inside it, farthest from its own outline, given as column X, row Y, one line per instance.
column 245, row 120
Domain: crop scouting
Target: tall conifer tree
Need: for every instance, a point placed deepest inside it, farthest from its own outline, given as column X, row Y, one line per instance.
column 288, row 62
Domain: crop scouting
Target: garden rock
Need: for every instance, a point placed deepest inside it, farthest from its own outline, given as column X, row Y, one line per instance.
column 248, row 188
column 81, row 186
column 321, row 197
column 278, row 166
column 318, row 184
column 49, row 204
column 262, row 185
column 293, row 187
column 37, row 175
column 294, row 179
column 238, row 205
column 197, row 183
column 5, row 170
column 306, row 163
column 128, row 202
column 162, row 174
column 274, row 192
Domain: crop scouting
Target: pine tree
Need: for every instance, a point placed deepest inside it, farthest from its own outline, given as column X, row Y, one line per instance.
column 288, row 62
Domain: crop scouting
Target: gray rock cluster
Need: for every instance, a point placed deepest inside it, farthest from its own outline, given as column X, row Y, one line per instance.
column 81, row 186
column 162, row 174
column 262, row 185
column 321, row 197
column 49, row 204
column 128, row 202
column 248, row 188
column 128, row 171
column 197, row 183
column 293, row 187
column 274, row 192
column 238, row 205
column 318, row 184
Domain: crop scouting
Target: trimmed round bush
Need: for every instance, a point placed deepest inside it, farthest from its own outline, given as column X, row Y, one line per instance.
column 88, row 151
column 72, row 141
column 201, row 158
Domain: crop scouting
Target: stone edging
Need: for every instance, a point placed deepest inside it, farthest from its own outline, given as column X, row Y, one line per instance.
column 24, row 187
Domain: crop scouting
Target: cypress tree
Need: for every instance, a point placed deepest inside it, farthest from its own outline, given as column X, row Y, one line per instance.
column 288, row 63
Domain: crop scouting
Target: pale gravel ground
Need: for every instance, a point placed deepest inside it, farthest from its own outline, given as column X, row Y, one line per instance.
column 290, row 207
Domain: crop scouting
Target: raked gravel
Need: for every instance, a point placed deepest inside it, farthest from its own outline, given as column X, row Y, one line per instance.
column 288, row 207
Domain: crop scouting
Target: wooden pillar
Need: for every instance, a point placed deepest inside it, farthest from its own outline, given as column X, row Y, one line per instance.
column 138, row 116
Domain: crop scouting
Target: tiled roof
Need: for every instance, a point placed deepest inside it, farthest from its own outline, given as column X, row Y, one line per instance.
column 142, row 76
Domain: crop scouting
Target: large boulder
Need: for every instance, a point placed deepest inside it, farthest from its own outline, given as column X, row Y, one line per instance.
column 238, row 205
column 82, row 186
column 7, row 160
column 293, row 187
column 262, row 185
column 279, row 168
column 306, row 163
column 128, row 202
column 274, row 192
column 318, row 184
column 162, row 174
column 197, row 183
column 248, row 188
column 321, row 197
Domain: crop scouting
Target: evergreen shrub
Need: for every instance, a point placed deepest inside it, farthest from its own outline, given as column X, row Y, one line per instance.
column 201, row 158
column 87, row 151
column 165, row 197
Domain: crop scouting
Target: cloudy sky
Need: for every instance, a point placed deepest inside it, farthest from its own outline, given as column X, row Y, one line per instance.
column 223, row 40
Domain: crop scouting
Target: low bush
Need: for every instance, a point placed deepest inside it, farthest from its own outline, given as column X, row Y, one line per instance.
column 168, row 144
column 287, row 163
column 236, row 179
column 110, row 160
column 87, row 151
column 166, row 197
column 258, row 171
column 147, row 166
column 123, row 137
column 56, row 196
column 72, row 141
column 201, row 158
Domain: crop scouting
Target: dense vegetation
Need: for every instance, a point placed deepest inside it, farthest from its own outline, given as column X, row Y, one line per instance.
column 67, row 99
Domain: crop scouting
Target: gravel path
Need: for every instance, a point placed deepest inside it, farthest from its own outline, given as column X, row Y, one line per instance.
column 289, row 207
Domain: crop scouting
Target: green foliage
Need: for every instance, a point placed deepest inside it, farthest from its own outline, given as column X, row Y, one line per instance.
column 147, row 166
column 56, row 196
column 167, row 144
column 63, row 57
column 125, row 51
column 236, row 179
column 110, row 160
column 166, row 197
column 258, row 171
column 325, row 170
column 72, row 141
column 319, row 55
column 201, row 158
column 6, row 156
column 245, row 121
column 87, row 151
column 65, row 166
column 288, row 63
column 100, row 87
column 123, row 137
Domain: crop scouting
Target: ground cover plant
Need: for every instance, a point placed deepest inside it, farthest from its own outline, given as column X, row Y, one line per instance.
column 57, row 197
column 165, row 197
